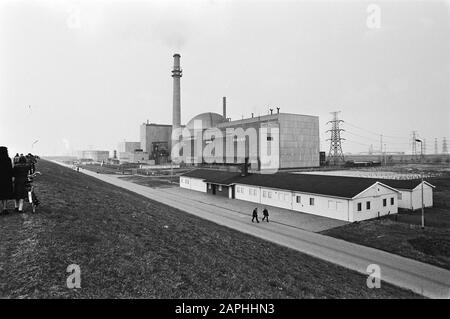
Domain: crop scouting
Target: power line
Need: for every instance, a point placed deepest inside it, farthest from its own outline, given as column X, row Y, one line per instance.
column 372, row 132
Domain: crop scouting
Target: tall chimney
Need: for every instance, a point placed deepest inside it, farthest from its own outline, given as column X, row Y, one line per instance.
column 176, row 74
column 224, row 102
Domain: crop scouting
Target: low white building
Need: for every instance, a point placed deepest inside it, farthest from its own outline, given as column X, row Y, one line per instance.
column 410, row 196
column 343, row 198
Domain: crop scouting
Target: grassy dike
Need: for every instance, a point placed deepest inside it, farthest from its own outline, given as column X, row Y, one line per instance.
column 131, row 247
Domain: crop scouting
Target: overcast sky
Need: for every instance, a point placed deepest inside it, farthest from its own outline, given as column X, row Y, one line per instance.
column 85, row 74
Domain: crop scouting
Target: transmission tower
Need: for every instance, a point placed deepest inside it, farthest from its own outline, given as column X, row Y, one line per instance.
column 436, row 146
column 424, row 147
column 336, row 155
column 444, row 146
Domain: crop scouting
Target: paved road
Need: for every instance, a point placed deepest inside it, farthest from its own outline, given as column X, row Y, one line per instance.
column 421, row 278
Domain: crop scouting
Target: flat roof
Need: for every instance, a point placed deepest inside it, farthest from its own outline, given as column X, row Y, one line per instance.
column 261, row 118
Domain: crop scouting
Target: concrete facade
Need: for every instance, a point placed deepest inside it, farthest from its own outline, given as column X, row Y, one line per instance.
column 299, row 140
column 128, row 146
column 297, row 137
column 133, row 157
column 154, row 133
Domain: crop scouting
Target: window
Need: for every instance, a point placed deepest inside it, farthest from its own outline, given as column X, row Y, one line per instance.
column 220, row 188
column 359, row 207
column 298, row 199
column 311, row 201
column 384, row 202
column 264, row 194
column 269, row 137
column 280, row 196
column 367, row 205
column 392, row 200
column 209, row 186
column 269, row 194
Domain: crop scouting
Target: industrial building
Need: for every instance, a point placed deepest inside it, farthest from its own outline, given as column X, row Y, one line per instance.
column 125, row 146
column 130, row 152
column 155, row 140
column 296, row 137
column 343, row 198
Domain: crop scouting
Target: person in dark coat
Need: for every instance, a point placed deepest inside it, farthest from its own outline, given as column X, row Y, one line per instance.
column 20, row 173
column 6, row 175
column 255, row 215
column 16, row 158
column 265, row 215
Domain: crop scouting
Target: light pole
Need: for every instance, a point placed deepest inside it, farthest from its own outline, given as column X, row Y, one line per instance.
column 421, row 183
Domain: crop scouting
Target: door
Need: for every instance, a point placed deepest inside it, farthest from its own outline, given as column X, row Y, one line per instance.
column 213, row 189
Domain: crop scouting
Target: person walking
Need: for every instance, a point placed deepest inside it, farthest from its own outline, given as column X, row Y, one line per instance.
column 265, row 215
column 20, row 173
column 6, row 182
column 255, row 215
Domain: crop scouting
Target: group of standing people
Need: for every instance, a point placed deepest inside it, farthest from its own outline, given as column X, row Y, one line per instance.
column 255, row 215
column 14, row 178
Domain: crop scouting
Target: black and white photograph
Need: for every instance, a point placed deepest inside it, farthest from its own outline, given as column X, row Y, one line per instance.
column 224, row 158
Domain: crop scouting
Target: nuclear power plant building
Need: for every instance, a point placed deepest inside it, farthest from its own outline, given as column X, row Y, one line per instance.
column 296, row 136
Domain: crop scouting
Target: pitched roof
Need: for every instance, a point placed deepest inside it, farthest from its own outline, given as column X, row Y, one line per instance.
column 337, row 186
column 213, row 176
column 401, row 183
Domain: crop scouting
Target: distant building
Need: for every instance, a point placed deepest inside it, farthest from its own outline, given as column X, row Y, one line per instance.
column 137, row 156
column 156, row 141
column 128, row 146
column 94, row 155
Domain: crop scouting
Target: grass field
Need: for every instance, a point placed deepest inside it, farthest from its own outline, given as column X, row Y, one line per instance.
column 402, row 235
column 130, row 246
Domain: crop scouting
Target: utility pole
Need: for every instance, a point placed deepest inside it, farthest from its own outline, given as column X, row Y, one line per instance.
column 436, row 146
column 421, row 180
column 381, row 144
column 414, row 140
column 335, row 155
column 423, row 214
column 381, row 149
column 444, row 146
